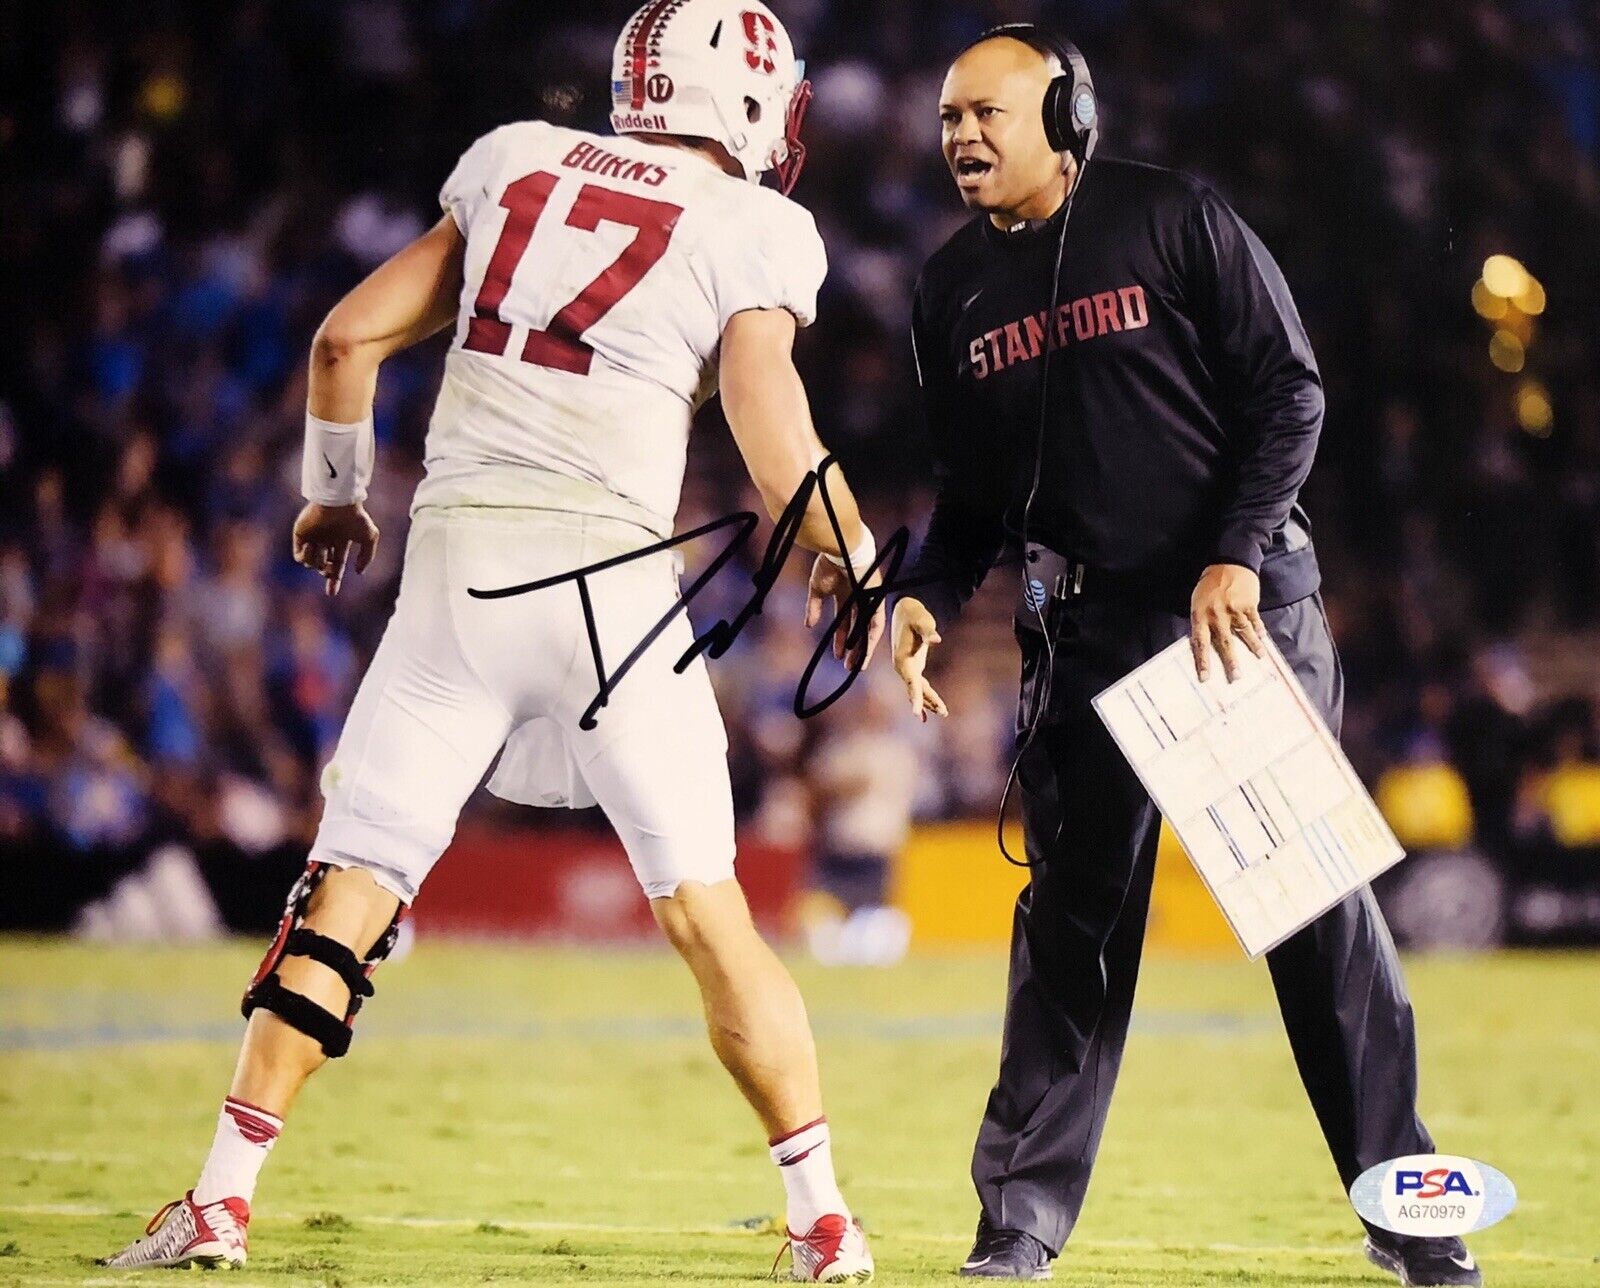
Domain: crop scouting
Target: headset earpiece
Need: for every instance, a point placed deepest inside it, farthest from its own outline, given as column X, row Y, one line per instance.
column 1071, row 108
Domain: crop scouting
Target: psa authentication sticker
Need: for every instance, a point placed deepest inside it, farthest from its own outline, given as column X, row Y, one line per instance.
column 1433, row 1195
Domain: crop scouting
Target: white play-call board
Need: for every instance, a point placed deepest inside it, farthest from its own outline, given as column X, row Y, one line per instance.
column 1255, row 786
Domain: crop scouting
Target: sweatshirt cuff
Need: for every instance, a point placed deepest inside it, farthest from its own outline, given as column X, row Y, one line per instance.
column 1240, row 544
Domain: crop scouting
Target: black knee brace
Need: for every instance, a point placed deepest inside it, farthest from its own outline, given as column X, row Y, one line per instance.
column 296, row 940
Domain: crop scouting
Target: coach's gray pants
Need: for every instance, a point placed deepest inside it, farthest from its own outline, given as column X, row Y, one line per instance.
column 1091, row 835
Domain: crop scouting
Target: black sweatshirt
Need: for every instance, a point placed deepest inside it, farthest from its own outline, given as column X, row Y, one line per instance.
column 1184, row 402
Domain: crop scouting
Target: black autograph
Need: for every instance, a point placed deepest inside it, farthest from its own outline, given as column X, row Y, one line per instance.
column 862, row 602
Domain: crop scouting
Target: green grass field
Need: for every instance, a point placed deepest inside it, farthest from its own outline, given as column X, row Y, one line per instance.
column 554, row 1116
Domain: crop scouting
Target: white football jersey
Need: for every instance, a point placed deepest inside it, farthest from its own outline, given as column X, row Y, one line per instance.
column 599, row 275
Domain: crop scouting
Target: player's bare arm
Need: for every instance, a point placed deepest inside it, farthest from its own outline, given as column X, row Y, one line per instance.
column 406, row 299
column 770, row 416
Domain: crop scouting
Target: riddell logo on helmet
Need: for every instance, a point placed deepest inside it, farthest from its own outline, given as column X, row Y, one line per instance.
column 637, row 121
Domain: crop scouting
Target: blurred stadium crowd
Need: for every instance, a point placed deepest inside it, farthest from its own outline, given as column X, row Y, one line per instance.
column 185, row 188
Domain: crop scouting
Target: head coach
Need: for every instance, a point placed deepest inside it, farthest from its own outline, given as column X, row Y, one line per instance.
column 1118, row 387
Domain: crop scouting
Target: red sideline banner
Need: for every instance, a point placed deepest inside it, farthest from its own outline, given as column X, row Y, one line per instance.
column 572, row 883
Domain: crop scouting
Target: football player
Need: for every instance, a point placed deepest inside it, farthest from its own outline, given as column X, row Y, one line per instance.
column 599, row 288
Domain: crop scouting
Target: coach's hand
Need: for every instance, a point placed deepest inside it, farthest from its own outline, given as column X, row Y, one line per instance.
column 1225, row 604
column 829, row 581
column 324, row 535
column 915, row 632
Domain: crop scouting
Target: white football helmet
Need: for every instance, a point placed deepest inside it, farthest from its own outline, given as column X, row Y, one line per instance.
column 714, row 69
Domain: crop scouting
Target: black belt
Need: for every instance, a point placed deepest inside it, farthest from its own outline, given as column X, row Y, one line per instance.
column 1051, row 579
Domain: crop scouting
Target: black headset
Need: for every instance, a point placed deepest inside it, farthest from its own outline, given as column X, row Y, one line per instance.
column 1071, row 108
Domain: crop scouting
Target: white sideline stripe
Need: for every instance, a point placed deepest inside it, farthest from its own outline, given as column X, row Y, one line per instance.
column 723, row 1178
column 124, row 1282
column 595, row 1227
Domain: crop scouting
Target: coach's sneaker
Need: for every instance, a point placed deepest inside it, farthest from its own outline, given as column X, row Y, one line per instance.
column 833, row 1251
column 185, row 1234
column 1006, row 1254
column 1423, row 1263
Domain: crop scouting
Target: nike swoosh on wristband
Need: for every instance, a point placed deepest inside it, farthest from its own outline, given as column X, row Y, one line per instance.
column 332, row 473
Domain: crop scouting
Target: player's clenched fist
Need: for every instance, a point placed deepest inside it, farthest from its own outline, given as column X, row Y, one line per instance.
column 324, row 536
column 915, row 632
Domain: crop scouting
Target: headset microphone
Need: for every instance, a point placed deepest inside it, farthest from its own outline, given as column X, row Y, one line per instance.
column 1072, row 128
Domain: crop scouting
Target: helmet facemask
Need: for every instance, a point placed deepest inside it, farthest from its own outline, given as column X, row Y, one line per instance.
column 794, row 154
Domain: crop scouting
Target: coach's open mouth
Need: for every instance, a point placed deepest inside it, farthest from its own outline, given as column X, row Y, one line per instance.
column 970, row 171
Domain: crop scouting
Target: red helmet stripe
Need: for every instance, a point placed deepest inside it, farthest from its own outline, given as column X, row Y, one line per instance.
column 639, row 57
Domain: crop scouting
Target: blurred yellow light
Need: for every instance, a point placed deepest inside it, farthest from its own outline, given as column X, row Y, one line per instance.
column 163, row 96
column 1531, row 298
column 1534, row 412
column 1486, row 303
column 1506, row 351
column 1518, row 324
column 1505, row 276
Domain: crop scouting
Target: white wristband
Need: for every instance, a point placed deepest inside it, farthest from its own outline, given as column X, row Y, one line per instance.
column 857, row 561
column 336, row 465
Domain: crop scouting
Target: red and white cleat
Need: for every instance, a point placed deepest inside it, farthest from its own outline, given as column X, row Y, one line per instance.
column 185, row 1234
column 833, row 1251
